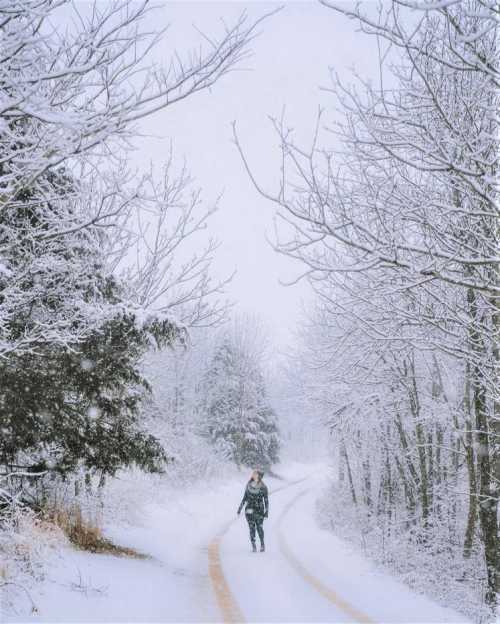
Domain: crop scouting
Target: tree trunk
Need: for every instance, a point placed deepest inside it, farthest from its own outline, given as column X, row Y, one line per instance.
column 487, row 484
column 421, row 443
column 409, row 495
column 471, row 470
column 406, row 451
column 487, row 500
column 345, row 456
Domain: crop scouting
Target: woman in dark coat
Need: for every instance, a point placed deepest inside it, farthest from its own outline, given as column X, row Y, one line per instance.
column 256, row 502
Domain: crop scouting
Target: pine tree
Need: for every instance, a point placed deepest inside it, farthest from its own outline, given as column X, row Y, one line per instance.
column 73, row 402
column 238, row 418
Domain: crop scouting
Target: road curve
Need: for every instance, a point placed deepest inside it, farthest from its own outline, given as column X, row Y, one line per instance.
column 229, row 608
column 307, row 574
column 326, row 592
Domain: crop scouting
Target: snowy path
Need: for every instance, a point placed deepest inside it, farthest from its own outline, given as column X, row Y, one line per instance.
column 202, row 569
column 307, row 574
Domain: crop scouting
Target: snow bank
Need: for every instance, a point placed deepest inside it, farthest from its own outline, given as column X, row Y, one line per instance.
column 160, row 519
column 27, row 545
column 436, row 569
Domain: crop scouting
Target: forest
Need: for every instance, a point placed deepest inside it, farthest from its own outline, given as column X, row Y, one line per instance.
column 123, row 359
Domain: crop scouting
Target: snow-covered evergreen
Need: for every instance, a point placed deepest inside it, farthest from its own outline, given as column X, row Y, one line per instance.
column 238, row 418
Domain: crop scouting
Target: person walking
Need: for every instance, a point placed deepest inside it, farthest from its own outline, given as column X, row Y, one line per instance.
column 256, row 502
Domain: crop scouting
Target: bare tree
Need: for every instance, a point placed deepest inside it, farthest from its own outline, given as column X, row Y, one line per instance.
column 406, row 207
column 70, row 99
column 156, row 248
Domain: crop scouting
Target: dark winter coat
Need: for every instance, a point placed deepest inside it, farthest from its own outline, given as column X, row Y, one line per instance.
column 255, row 499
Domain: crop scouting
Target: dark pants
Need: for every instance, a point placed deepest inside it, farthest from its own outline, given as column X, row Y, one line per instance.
column 255, row 523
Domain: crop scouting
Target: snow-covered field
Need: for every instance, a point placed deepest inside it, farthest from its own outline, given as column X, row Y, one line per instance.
column 306, row 575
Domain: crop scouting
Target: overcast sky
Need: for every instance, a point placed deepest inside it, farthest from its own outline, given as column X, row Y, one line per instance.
column 290, row 62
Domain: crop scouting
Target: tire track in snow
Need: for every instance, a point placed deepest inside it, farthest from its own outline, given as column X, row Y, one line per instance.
column 325, row 591
column 228, row 606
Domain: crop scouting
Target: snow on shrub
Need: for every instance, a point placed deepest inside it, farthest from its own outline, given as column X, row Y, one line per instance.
column 429, row 563
column 27, row 542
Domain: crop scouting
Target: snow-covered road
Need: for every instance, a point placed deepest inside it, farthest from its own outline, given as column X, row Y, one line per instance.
column 307, row 574
column 202, row 568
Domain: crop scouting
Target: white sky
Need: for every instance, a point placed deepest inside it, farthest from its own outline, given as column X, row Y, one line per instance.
column 290, row 62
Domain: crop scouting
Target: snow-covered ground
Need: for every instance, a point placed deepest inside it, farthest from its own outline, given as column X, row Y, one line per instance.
column 201, row 567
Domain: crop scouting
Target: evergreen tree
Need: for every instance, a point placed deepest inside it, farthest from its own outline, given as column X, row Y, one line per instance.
column 238, row 417
column 74, row 401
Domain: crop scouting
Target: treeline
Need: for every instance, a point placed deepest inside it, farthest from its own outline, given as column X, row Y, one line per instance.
column 396, row 223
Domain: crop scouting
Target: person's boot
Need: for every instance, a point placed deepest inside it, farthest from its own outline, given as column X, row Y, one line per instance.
column 262, row 547
column 254, row 547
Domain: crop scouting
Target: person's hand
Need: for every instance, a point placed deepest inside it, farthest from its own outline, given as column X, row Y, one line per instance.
column 238, row 512
column 266, row 514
